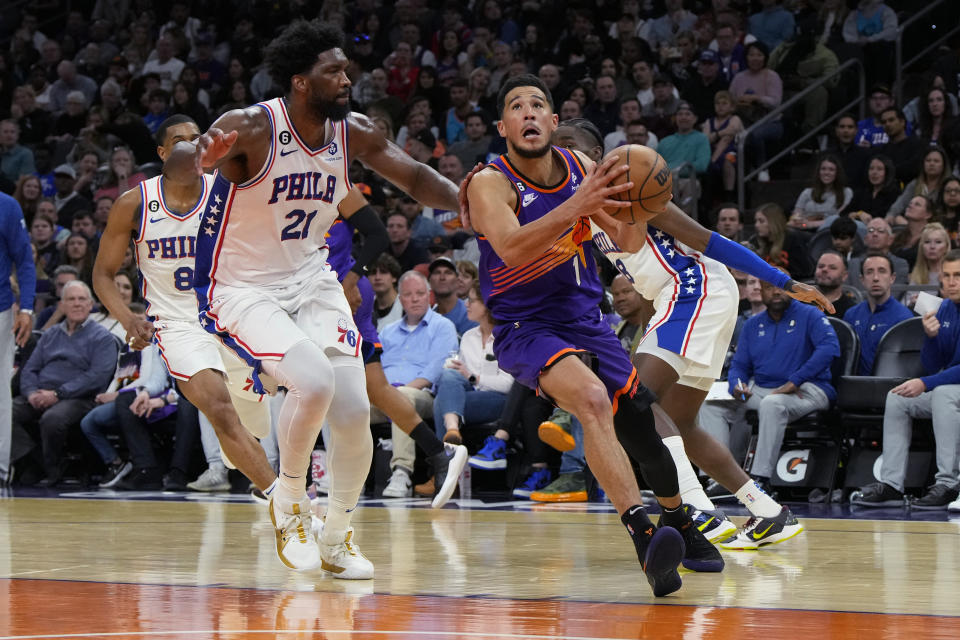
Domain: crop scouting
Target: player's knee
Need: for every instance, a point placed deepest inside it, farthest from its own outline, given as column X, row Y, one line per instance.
column 593, row 403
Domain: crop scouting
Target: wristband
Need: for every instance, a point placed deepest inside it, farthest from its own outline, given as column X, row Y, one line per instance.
column 29, row 312
column 739, row 257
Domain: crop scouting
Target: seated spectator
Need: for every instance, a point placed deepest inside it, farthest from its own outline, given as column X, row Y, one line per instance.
column 778, row 245
column 879, row 239
column 879, row 312
column 55, row 310
column 731, row 54
column 950, row 207
column 729, row 223
column 827, row 198
column 661, row 32
column 918, row 215
column 78, row 254
column 43, row 239
column 383, row 279
column 870, row 131
column 758, row 90
column 786, row 351
column 933, row 173
column 637, row 133
column 121, row 175
column 830, row 275
column 687, row 145
column 937, row 120
column 67, row 201
column 453, row 127
column 935, row 396
column 882, row 190
column 604, row 110
column 15, row 159
column 402, row 248
column 422, row 229
column 473, row 148
column 845, row 238
column 772, row 24
column 934, row 245
column 629, row 112
column 659, row 114
column 414, row 349
column 472, row 388
column 467, row 274
column 443, row 282
column 27, row 193
column 721, row 130
column 853, row 157
column 138, row 372
column 104, row 318
column 700, row 89
column 802, row 62
column 635, row 311
column 72, row 362
column 905, row 150
column 84, row 225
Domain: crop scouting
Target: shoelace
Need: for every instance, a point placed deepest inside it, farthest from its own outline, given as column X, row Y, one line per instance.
column 295, row 525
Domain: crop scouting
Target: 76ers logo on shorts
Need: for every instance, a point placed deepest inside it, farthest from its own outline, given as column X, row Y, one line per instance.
column 347, row 335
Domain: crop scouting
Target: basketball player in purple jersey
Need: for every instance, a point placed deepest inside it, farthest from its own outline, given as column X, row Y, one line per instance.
column 447, row 460
column 531, row 208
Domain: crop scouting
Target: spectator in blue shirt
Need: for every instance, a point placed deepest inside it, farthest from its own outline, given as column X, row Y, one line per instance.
column 786, row 351
column 15, row 324
column 414, row 349
column 935, row 396
column 443, row 281
column 772, row 25
column 875, row 315
column 15, row 159
column 72, row 363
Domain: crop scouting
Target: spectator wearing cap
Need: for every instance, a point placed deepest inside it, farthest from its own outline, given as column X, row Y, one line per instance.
column 687, row 145
column 772, row 24
column 659, row 114
column 440, row 247
column 730, row 53
column 604, row 110
column 402, row 248
column 700, row 89
column 414, row 349
column 67, row 201
column 422, row 228
column 870, row 131
column 443, row 281
column 15, row 159
column 422, row 147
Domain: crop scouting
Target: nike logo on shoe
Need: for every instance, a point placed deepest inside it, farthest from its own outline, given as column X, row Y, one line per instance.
column 762, row 533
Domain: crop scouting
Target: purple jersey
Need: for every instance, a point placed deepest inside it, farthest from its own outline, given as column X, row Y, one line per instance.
column 562, row 283
column 339, row 239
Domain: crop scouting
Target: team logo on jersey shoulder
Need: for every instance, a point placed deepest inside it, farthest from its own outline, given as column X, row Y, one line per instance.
column 333, row 149
column 153, row 205
column 285, row 137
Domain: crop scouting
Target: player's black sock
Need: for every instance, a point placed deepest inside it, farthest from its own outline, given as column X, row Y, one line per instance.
column 639, row 527
column 675, row 518
column 637, row 432
column 426, row 439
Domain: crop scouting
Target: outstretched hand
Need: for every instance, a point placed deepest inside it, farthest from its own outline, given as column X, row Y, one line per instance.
column 595, row 192
column 462, row 196
column 810, row 294
column 212, row 146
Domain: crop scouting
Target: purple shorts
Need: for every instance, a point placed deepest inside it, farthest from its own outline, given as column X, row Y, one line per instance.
column 363, row 318
column 527, row 348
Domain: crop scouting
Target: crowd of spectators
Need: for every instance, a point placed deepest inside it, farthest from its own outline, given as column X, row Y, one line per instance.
column 84, row 85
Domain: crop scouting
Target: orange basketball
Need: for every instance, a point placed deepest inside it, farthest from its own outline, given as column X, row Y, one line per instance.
column 652, row 183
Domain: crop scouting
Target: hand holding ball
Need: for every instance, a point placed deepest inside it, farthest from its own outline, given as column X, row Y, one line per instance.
column 652, row 183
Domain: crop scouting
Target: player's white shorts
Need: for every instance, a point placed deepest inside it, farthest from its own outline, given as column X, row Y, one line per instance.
column 691, row 331
column 264, row 323
column 187, row 349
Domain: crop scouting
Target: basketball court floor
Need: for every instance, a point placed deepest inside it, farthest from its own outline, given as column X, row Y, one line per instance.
column 155, row 565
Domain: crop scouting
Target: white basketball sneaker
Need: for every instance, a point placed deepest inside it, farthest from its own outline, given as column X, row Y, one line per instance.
column 344, row 560
column 296, row 544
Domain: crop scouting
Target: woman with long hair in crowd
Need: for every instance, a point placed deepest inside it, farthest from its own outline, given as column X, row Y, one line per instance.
column 919, row 213
column 828, row 196
column 880, row 192
column 42, row 237
column 429, row 87
column 185, row 102
column 934, row 245
column 78, row 254
column 27, row 193
column 934, row 170
column 776, row 244
column 950, row 208
column 936, row 120
column 122, row 174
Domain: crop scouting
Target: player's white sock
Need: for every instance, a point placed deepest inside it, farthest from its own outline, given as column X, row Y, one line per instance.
column 691, row 491
column 308, row 376
column 349, row 446
column 757, row 502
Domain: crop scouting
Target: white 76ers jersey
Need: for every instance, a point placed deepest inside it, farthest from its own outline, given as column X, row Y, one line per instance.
column 266, row 230
column 166, row 251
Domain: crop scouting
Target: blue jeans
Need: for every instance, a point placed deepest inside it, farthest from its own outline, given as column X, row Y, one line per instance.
column 456, row 395
column 574, row 460
column 99, row 419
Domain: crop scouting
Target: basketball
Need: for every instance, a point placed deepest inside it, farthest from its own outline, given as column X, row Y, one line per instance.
column 652, row 183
